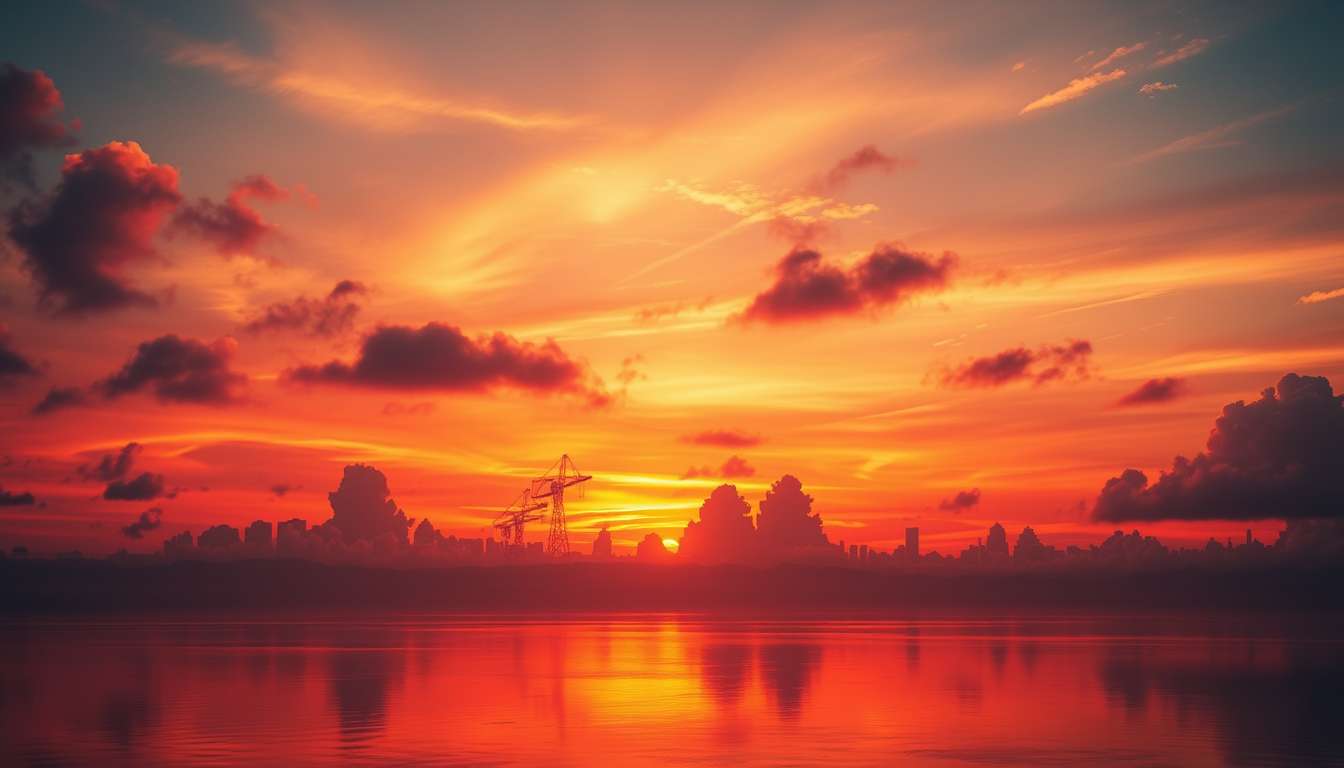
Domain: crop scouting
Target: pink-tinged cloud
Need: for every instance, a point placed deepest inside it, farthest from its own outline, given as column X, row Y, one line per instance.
column 1057, row 362
column 441, row 357
column 1076, row 88
column 1190, row 49
column 1156, row 87
column 179, row 370
column 806, row 287
column 29, row 102
column 1316, row 297
column 865, row 158
column 1155, row 391
column 1117, row 54
column 233, row 227
column 1275, row 458
column 102, row 217
column 723, row 438
column 331, row 315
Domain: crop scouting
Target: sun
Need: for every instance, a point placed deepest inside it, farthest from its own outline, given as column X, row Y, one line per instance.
column 671, row 544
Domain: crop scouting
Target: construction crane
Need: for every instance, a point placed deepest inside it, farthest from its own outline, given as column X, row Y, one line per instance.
column 562, row 474
column 510, row 522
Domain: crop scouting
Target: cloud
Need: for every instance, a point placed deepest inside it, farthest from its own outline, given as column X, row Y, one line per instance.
column 963, row 500
column 723, row 438
column 232, row 227
column 1117, row 54
column 1277, row 457
column 1316, row 297
column 374, row 104
column 11, row 499
column 1190, row 49
column 149, row 520
column 12, row 364
column 60, row 398
column 280, row 489
column 734, row 466
column 1076, row 87
column 440, row 357
column 332, row 315
column 1215, row 138
column 807, row 287
column 103, row 215
column 28, row 102
column 865, row 158
column 112, row 466
column 179, row 370
column 145, row 486
column 1041, row 365
column 1019, row 66
column 1156, row 87
column 363, row 509
column 1155, row 391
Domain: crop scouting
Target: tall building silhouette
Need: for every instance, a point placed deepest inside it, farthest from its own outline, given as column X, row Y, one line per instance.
column 912, row 544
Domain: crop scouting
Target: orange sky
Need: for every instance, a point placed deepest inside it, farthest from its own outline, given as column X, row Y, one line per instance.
column 625, row 181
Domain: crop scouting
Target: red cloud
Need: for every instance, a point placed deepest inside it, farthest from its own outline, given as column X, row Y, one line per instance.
column 723, row 438
column 865, row 158
column 1042, row 365
column 28, row 102
column 1155, row 391
column 232, row 227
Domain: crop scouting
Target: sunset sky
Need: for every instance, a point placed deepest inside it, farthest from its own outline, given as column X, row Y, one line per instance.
column 904, row 254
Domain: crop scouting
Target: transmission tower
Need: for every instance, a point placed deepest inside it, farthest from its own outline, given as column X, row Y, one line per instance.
column 510, row 522
column 562, row 474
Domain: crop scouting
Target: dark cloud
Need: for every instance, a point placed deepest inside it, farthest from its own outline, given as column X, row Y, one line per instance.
column 963, row 500
column 60, row 398
column 112, row 466
column 1041, row 365
column 1277, row 457
column 441, row 357
column 232, row 227
column 143, row 487
column 734, row 466
column 723, row 438
column 103, row 215
column 363, row 509
column 149, row 520
column 280, row 489
column 12, row 364
column 29, row 101
column 786, row 523
column 865, row 158
column 724, row 532
column 11, row 499
column 808, row 287
column 1155, row 391
column 331, row 315
column 179, row 370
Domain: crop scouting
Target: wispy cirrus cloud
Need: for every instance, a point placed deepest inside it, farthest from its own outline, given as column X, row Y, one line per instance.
column 1214, row 138
column 1119, row 53
column 380, row 106
column 1316, row 297
column 1076, row 88
column 1189, row 50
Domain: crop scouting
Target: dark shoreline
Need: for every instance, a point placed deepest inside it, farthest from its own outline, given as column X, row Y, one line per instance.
column 55, row 587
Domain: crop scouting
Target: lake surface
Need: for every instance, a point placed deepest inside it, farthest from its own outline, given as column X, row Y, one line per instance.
column 658, row 690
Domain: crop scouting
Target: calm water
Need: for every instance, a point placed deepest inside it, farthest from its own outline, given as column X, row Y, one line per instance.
column 669, row 690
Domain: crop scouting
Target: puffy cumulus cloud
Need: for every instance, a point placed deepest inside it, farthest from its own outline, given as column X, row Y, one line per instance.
column 13, row 366
column 963, row 500
column 1041, row 365
column 331, row 315
column 1189, row 50
column 734, row 466
column 143, row 487
column 233, row 227
column 786, row 523
column 362, row 508
column 865, row 158
column 441, row 357
column 1152, row 391
column 150, row 520
column 59, row 399
column 12, row 499
column 1076, row 88
column 723, row 438
column 808, row 287
column 179, row 370
column 111, row 466
column 1277, row 457
column 103, row 215
column 724, row 532
column 29, row 102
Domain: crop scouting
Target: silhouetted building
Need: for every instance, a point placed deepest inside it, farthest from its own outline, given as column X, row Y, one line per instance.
column 996, row 546
column 258, row 534
column 177, row 546
column 863, row 552
column 425, row 535
column 912, row 544
column 1029, row 548
column 602, row 544
column 853, row 551
column 218, row 537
